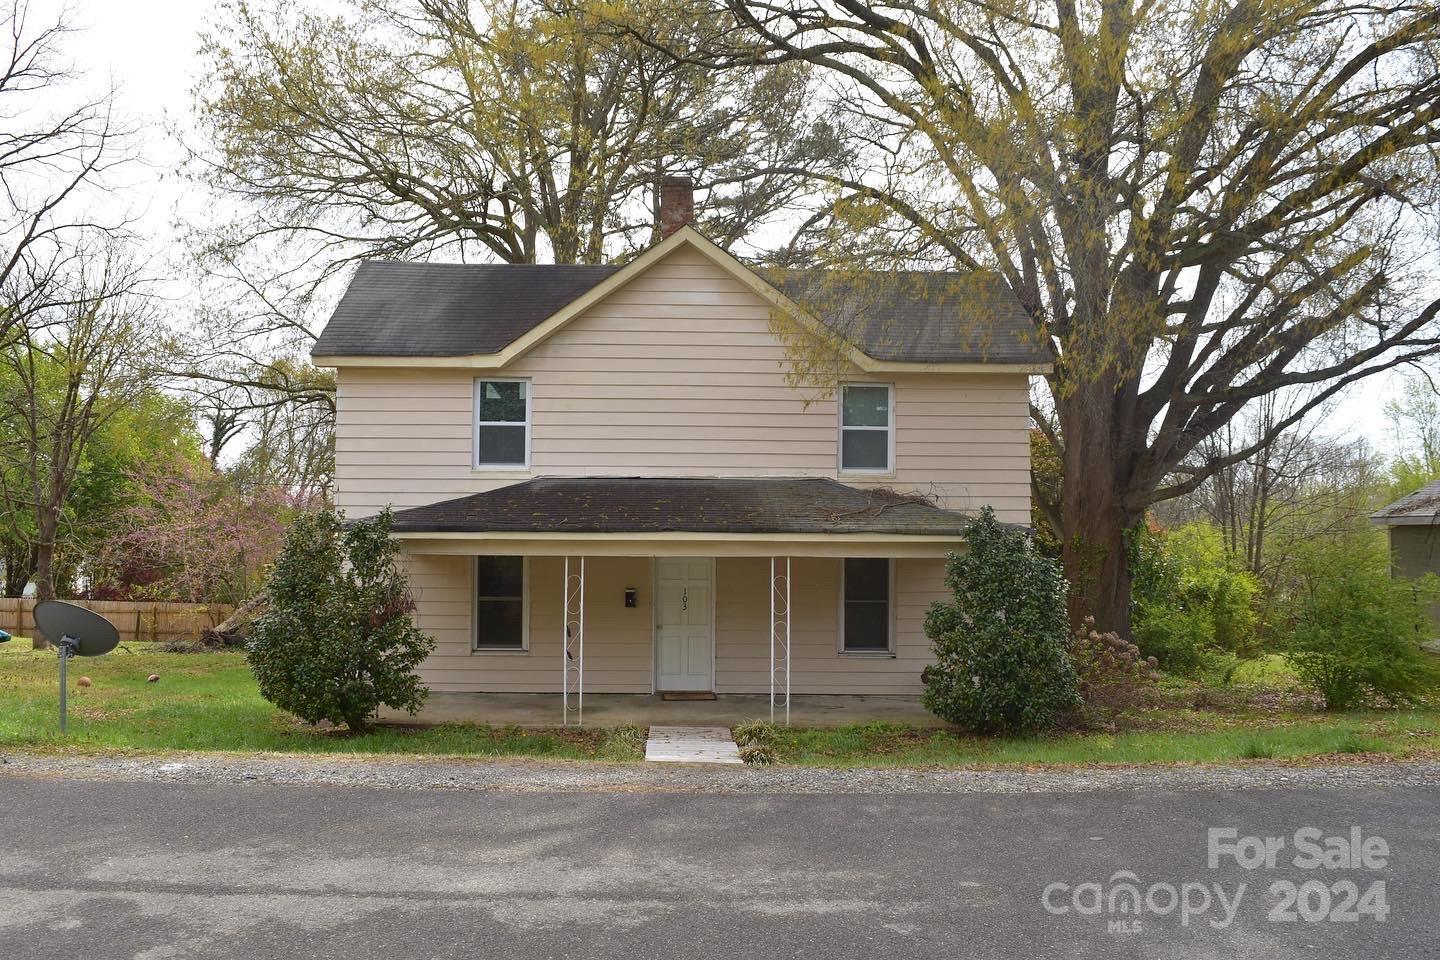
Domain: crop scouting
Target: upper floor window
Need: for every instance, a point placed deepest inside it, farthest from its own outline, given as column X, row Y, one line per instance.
column 867, row 428
column 502, row 423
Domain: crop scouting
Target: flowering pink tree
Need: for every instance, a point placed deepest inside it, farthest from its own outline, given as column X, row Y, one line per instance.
column 193, row 534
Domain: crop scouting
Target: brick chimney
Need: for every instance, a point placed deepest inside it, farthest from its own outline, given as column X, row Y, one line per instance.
column 676, row 206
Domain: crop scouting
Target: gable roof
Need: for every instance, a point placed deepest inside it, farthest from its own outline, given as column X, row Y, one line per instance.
column 485, row 316
column 915, row 316
column 447, row 309
column 1420, row 507
column 751, row 505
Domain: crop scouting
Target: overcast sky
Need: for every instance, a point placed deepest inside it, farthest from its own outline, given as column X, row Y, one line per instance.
column 148, row 49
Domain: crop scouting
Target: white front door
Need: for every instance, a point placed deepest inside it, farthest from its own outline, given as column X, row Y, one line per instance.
column 684, row 624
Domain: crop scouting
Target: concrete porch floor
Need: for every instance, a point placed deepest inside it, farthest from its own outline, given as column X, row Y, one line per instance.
column 615, row 709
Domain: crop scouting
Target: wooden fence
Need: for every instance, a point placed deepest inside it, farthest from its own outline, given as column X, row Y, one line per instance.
column 135, row 619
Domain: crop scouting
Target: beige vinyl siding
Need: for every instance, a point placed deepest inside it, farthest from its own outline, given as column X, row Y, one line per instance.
column 742, row 652
column 617, row 638
column 1414, row 552
column 675, row 374
column 619, row 641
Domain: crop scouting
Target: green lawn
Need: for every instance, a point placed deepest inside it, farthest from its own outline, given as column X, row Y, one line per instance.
column 1400, row 734
column 1270, row 669
column 209, row 702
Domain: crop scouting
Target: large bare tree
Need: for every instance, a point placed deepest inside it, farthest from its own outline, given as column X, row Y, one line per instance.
column 511, row 130
column 1199, row 204
column 54, row 144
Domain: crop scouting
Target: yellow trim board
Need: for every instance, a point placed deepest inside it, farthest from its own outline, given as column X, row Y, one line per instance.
column 686, row 236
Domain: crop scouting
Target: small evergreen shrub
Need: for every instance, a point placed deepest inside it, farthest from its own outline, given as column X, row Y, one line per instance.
column 1000, row 647
column 338, row 641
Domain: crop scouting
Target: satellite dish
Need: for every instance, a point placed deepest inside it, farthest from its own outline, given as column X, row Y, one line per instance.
column 76, row 632
column 84, row 632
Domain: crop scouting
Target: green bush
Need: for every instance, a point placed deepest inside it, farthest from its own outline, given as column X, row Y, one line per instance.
column 1000, row 647
column 1181, row 640
column 1194, row 605
column 337, row 641
column 1351, row 631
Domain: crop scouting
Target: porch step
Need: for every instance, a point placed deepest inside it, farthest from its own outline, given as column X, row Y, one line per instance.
column 691, row 745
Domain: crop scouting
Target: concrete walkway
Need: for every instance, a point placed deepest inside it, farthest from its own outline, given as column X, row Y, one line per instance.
column 691, row 745
column 616, row 709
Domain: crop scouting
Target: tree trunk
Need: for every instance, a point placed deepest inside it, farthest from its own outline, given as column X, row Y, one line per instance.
column 45, row 567
column 231, row 632
column 1093, row 515
column 1095, row 559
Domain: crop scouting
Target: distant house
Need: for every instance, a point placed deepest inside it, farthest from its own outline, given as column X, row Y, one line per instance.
column 610, row 470
column 1413, row 525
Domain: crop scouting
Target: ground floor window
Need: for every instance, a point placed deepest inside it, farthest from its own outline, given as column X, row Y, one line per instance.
column 500, row 603
column 865, row 612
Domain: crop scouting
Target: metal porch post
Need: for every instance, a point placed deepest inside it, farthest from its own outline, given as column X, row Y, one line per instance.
column 572, row 644
column 779, row 639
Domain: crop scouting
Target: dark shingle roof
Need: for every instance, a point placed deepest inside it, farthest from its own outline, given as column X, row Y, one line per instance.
column 1422, row 506
column 447, row 309
column 918, row 316
column 684, row 504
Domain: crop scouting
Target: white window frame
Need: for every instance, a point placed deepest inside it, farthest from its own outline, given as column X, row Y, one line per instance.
column 475, row 647
column 889, row 652
column 477, row 423
column 889, row 429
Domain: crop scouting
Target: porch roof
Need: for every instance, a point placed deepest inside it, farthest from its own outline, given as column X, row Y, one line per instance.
column 700, row 505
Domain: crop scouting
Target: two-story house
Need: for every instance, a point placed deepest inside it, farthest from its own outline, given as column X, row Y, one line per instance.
column 608, row 479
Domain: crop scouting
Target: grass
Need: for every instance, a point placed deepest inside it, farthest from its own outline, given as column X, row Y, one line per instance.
column 208, row 702
column 1267, row 670
column 1288, row 737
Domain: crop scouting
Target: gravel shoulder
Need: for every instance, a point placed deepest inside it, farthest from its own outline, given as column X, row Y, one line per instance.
column 536, row 776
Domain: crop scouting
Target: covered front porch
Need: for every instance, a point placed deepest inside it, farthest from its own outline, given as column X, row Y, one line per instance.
column 620, row 709
column 583, row 600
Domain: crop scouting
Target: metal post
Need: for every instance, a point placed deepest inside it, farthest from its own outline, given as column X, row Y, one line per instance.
column 64, row 652
column 572, row 643
column 580, row 671
column 780, row 638
column 787, row 641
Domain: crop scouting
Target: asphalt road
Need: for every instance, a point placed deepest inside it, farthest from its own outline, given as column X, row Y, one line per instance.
column 154, row 870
